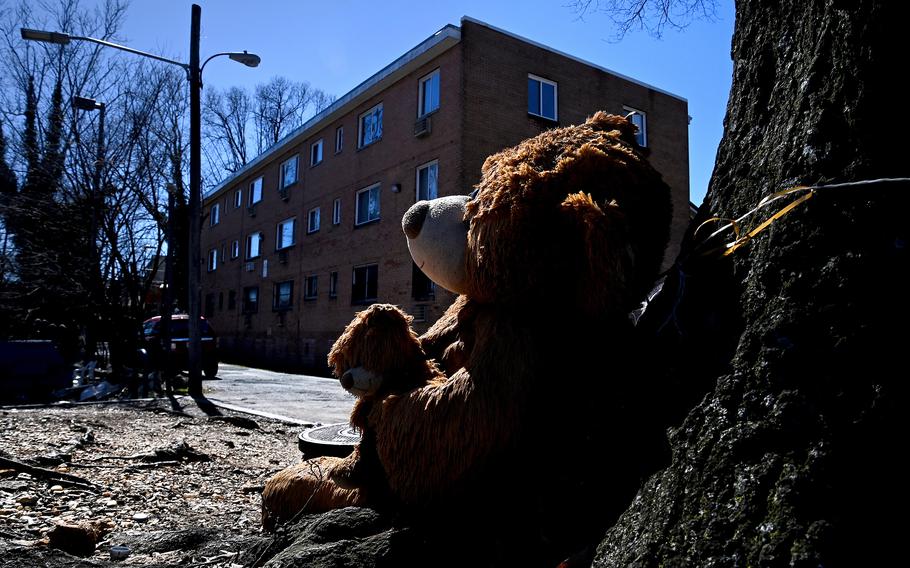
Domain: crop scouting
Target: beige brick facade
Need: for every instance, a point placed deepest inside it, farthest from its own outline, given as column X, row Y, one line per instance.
column 483, row 98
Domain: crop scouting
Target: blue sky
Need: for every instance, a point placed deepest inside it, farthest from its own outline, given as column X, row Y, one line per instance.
column 337, row 44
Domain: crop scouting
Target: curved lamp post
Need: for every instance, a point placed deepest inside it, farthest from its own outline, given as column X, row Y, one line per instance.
column 194, row 75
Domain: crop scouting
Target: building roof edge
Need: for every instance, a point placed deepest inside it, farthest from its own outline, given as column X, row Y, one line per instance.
column 448, row 32
column 572, row 57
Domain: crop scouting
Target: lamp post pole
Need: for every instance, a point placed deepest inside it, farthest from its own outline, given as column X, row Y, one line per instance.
column 195, row 206
column 194, row 75
column 95, row 201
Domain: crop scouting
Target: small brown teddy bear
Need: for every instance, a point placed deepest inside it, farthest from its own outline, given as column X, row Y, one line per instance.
column 377, row 355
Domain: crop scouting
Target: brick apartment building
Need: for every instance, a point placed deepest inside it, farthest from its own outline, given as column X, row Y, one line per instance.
column 309, row 232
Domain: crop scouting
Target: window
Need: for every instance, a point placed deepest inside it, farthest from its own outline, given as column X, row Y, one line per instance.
column 312, row 220
column 640, row 120
column 284, row 236
column 316, row 152
column 427, row 181
column 370, row 126
column 283, row 298
column 253, row 244
column 232, row 299
column 336, row 212
column 213, row 260
column 238, row 198
column 215, row 215
column 209, row 305
column 363, row 289
column 256, row 191
column 220, row 301
column 235, row 249
column 333, row 285
column 367, row 205
column 311, row 288
column 429, row 94
column 339, row 139
column 422, row 288
column 250, row 300
column 288, row 173
column 541, row 97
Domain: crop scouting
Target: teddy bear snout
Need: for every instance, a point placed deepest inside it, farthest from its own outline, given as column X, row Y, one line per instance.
column 347, row 380
column 414, row 217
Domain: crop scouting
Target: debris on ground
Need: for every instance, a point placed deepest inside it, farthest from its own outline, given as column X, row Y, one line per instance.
column 142, row 483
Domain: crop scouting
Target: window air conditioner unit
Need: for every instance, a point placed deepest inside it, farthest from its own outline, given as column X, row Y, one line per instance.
column 283, row 193
column 423, row 126
column 251, row 267
column 251, row 210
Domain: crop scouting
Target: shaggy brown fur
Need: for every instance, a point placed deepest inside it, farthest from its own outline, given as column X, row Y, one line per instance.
column 304, row 488
column 380, row 340
column 565, row 234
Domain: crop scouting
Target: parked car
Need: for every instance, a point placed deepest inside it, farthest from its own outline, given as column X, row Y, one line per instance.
column 180, row 339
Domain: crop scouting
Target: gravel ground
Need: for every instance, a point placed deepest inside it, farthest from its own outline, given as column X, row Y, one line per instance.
column 175, row 511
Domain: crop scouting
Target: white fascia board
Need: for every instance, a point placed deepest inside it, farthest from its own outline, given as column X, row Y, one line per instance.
column 572, row 57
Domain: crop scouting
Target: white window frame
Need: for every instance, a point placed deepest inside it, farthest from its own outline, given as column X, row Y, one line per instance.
column 306, row 287
column 215, row 214
column 333, row 284
column 249, row 245
column 642, row 135
column 357, row 220
column 279, row 234
column 282, row 179
column 316, row 153
column 213, row 260
column 336, row 211
column 339, row 139
column 235, row 248
column 238, row 198
column 256, row 191
column 426, row 166
column 275, row 295
column 312, row 221
column 555, row 85
column 421, row 93
column 361, row 141
column 365, row 268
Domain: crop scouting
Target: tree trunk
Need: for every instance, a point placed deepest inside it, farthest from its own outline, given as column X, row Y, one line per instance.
column 785, row 397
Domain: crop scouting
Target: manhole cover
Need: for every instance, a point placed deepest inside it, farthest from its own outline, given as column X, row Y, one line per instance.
column 329, row 440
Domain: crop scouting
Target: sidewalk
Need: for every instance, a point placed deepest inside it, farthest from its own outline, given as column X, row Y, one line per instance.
column 301, row 398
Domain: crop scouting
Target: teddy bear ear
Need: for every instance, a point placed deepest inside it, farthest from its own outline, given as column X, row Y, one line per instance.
column 619, row 126
column 603, row 266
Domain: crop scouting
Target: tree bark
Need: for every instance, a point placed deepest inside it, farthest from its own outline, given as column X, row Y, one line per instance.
column 784, row 399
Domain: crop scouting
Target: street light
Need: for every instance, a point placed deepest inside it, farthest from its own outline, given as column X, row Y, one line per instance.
column 86, row 104
column 194, row 75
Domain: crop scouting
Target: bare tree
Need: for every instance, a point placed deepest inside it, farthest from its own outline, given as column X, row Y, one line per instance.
column 234, row 119
column 282, row 105
column 653, row 16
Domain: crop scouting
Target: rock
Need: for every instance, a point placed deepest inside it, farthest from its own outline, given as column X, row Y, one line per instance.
column 27, row 500
column 141, row 517
column 56, row 489
column 13, row 486
column 79, row 539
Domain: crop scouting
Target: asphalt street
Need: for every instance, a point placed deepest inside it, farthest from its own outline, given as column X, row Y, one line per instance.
column 301, row 398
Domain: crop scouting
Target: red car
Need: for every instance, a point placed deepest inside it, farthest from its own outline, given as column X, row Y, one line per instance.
column 180, row 339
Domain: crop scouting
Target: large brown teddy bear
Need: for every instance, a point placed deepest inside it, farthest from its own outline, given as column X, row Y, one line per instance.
column 535, row 428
